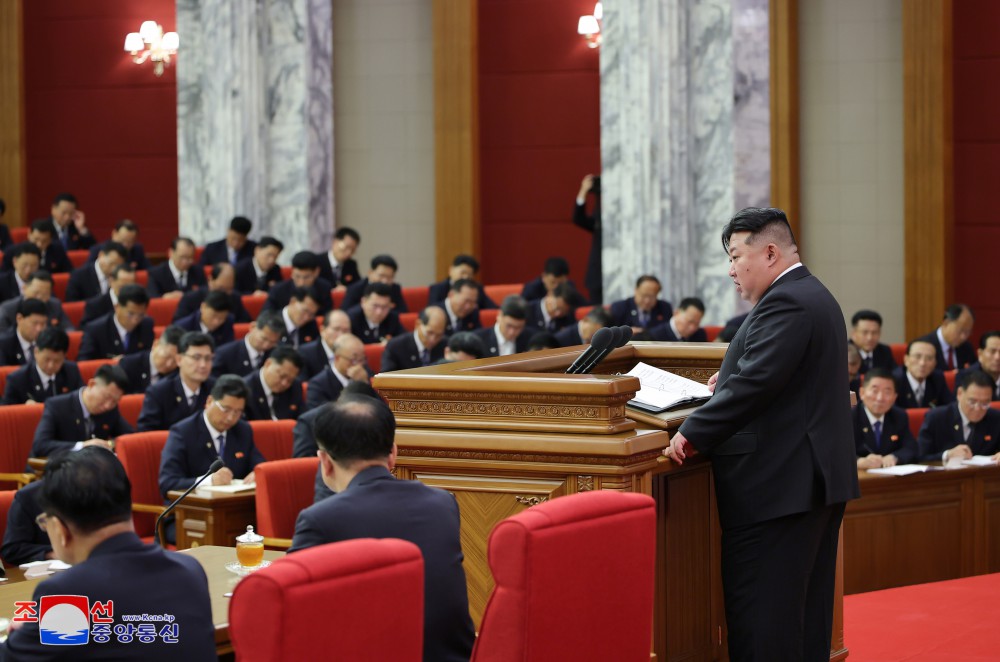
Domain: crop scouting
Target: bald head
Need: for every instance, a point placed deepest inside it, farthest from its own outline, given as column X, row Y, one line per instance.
column 431, row 326
column 335, row 324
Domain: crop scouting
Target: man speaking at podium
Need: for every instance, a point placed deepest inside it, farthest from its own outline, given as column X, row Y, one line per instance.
column 778, row 432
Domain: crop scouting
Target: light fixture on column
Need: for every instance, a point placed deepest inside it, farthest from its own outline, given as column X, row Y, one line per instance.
column 149, row 43
column 590, row 26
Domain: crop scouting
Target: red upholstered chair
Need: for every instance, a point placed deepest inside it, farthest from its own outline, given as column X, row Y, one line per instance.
column 75, row 339
column 130, row 406
column 582, row 311
column 6, row 499
column 284, row 489
column 898, row 352
column 89, row 368
column 286, row 273
column 916, row 417
column 337, row 296
column 538, row 558
column 273, row 438
column 142, row 277
column 712, row 332
column 162, row 310
column 78, row 258
column 253, row 304
column 198, row 250
column 409, row 320
column 17, row 235
column 17, row 430
column 240, row 330
column 949, row 379
column 74, row 311
column 373, row 355
column 59, row 284
column 360, row 600
column 498, row 292
column 416, row 298
column 140, row 455
column 4, row 371
column 488, row 318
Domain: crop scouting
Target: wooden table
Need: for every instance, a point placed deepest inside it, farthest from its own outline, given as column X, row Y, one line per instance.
column 211, row 518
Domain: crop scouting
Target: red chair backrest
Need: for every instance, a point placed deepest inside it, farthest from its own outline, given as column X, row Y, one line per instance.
column 365, row 595
column 284, row 489
column 130, row 406
column 75, row 339
column 74, row 311
column 17, row 430
column 89, row 368
column 337, row 296
column 253, row 304
column 240, row 330
column 273, row 438
column 416, row 298
column 141, row 277
column 59, row 284
column 6, row 499
column 17, row 235
column 582, row 311
column 162, row 310
column 898, row 352
column 712, row 332
column 140, row 455
column 498, row 292
column 286, row 271
column 198, row 250
column 409, row 320
column 538, row 557
column 949, row 379
column 488, row 317
column 78, row 258
column 4, row 371
column 916, row 417
column 373, row 355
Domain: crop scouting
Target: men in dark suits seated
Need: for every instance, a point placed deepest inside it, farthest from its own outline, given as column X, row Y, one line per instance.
column 732, row 326
column 882, row 436
column 459, row 306
column 336, row 265
column 866, row 331
column 951, row 339
column 989, row 360
column 48, row 374
column 420, row 348
column 235, row 247
column 463, row 346
column 181, row 395
column 299, row 317
column 103, row 304
column 582, row 332
column 318, row 354
column 463, row 267
column 87, row 503
column 125, row 233
column 684, row 325
column 178, row 274
column 554, row 311
column 85, row 417
column 125, row 331
column 213, row 317
column 374, row 321
column 357, row 453
column 39, row 286
column 17, row 344
column 92, row 279
column 917, row 382
column 257, row 274
column 554, row 272
column 24, row 260
column 349, row 364
column 221, row 279
column 507, row 336
column 52, row 256
column 275, row 389
column 305, row 274
column 383, row 270
column 644, row 310
column 964, row 428
column 145, row 369
column 70, row 223
column 24, row 541
column 241, row 357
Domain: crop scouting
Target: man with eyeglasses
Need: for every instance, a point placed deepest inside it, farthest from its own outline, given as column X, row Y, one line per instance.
column 461, row 307
column 989, row 360
column 420, row 348
column 318, row 354
column 964, row 428
column 24, row 541
column 374, row 321
column 917, row 382
column 348, row 365
column 275, row 389
column 125, row 331
column 241, row 357
column 181, row 395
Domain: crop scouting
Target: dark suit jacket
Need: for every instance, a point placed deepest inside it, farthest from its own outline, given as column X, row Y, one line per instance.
column 376, row 505
column 190, row 451
column 74, row 240
column 63, row 425
column 281, row 293
column 536, row 321
column 965, row 354
column 975, row 366
column 776, row 426
column 348, row 271
column 942, row 430
column 136, row 255
column 57, row 316
column 304, row 445
column 191, row 302
column 489, row 338
column 97, row 307
column 233, row 359
column 592, row 224
column 314, row 358
column 470, row 322
column 438, row 292
column 567, row 337
column 732, row 326
column 625, row 312
column 8, row 286
column 354, row 293
column 5, row 238
column 534, row 290
column 220, row 336
column 247, row 281
column 896, row 436
column 216, row 252
column 11, row 352
column 136, row 366
column 161, row 280
column 936, row 391
column 101, row 339
column 323, row 388
column 54, row 260
column 881, row 358
column 165, row 403
column 147, row 580
column 390, row 326
column 24, row 384
column 83, row 284
column 306, row 333
column 401, row 353
column 23, row 541
column 664, row 333
column 288, row 404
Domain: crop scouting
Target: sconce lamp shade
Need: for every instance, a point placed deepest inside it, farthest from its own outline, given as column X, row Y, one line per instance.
column 170, row 42
column 133, row 42
column 588, row 25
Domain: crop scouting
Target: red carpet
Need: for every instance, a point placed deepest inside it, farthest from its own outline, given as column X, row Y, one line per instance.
column 953, row 621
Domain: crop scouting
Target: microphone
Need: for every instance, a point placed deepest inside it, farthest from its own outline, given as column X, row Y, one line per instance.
column 601, row 339
column 218, row 464
column 622, row 335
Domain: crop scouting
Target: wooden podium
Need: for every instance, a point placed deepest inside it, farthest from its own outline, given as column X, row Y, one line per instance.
column 504, row 434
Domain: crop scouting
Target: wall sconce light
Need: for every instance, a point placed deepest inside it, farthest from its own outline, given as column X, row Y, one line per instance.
column 149, row 43
column 590, row 26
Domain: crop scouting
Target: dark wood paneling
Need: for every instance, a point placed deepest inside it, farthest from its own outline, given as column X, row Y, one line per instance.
column 784, row 69
column 12, row 176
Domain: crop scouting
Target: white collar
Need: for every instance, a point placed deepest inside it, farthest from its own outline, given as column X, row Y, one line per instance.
column 289, row 324
column 175, row 272
column 914, row 384
column 256, row 268
column 251, row 352
column 187, row 392
column 871, row 417
column 673, row 327
column 343, row 379
column 504, row 347
column 121, row 329
column 212, row 432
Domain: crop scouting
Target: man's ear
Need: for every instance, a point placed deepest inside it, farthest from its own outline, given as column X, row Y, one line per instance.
column 58, row 531
column 326, row 462
column 392, row 456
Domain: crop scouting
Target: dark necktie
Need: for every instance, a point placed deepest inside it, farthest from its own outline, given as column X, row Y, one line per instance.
column 222, row 444
column 262, row 282
column 192, row 400
column 64, row 236
column 425, row 356
column 643, row 319
column 50, row 386
column 878, row 435
column 950, row 351
column 128, row 340
column 182, row 281
column 336, row 274
column 920, row 395
column 866, row 363
column 971, row 430
column 89, row 425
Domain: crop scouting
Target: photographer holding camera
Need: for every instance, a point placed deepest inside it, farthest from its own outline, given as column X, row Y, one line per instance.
column 592, row 223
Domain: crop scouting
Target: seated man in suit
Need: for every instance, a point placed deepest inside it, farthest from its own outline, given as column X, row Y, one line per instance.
column 989, row 360
column 241, row 357
column 18, row 344
column 964, row 428
column 184, row 393
column 460, row 307
column 882, row 436
column 854, row 370
column 103, row 304
column 507, row 336
column 93, row 278
column 420, row 348
column 47, row 375
column 684, row 324
column 220, row 279
column 305, row 274
column 951, row 339
column 318, row 354
column 463, row 346
column 645, row 309
column 583, row 331
column 554, row 272
column 374, row 321
column 52, row 256
column 24, row 541
column 86, row 500
column 349, row 364
column 145, row 369
column 125, row 331
column 24, row 261
column 554, row 311
column 917, row 382
column 235, row 247
column 178, row 274
column 125, row 233
column 357, row 453
column 866, row 331
column 213, row 317
column 299, row 317
column 337, row 266
column 39, row 286
column 257, row 274
column 733, row 325
column 85, row 417
column 383, row 270
column 275, row 389
column 463, row 267
column 70, row 223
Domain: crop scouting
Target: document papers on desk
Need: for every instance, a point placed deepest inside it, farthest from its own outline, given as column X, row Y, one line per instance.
column 979, row 461
column 236, row 486
column 900, row 470
column 660, row 390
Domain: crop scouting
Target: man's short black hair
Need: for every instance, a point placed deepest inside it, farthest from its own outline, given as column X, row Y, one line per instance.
column 18, row 250
column 910, row 344
column 124, row 266
column 514, row 305
column 468, row 342
column 556, row 266
column 866, row 316
column 599, row 315
column 955, row 310
column 86, row 489
column 302, row 293
column 645, row 278
column 882, row 373
column 986, row 336
column 52, row 338
column 172, row 335
column 305, row 260
column 384, row 260
column 347, row 232
column 3, row 207
column 355, row 428
column 567, row 293
column 976, row 378
column 231, row 385
column 40, row 274
column 218, row 268
column 181, row 240
column 272, row 321
column 266, row 241
column 462, row 283
column 380, row 289
column 195, row 339
column 112, row 373
column 133, row 293
column 218, row 301
column 115, row 247
column 241, row 225
column 542, row 340
column 688, row 302
column 758, row 220
column 283, row 353
column 466, row 260
column 358, row 387
column 127, row 224
column 44, row 225
column 28, row 307
column 64, row 197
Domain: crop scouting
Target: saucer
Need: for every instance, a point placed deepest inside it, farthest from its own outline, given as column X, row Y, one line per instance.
column 240, row 570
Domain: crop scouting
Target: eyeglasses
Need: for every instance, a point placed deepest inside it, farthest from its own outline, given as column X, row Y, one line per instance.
column 228, row 411
column 199, row 358
column 976, row 404
column 354, row 360
column 42, row 520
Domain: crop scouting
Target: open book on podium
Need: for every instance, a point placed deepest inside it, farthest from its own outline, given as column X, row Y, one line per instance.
column 664, row 396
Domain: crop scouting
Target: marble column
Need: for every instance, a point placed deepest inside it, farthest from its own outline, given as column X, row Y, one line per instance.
column 255, row 119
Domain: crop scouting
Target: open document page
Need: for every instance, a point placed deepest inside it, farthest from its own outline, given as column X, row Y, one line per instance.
column 660, row 390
